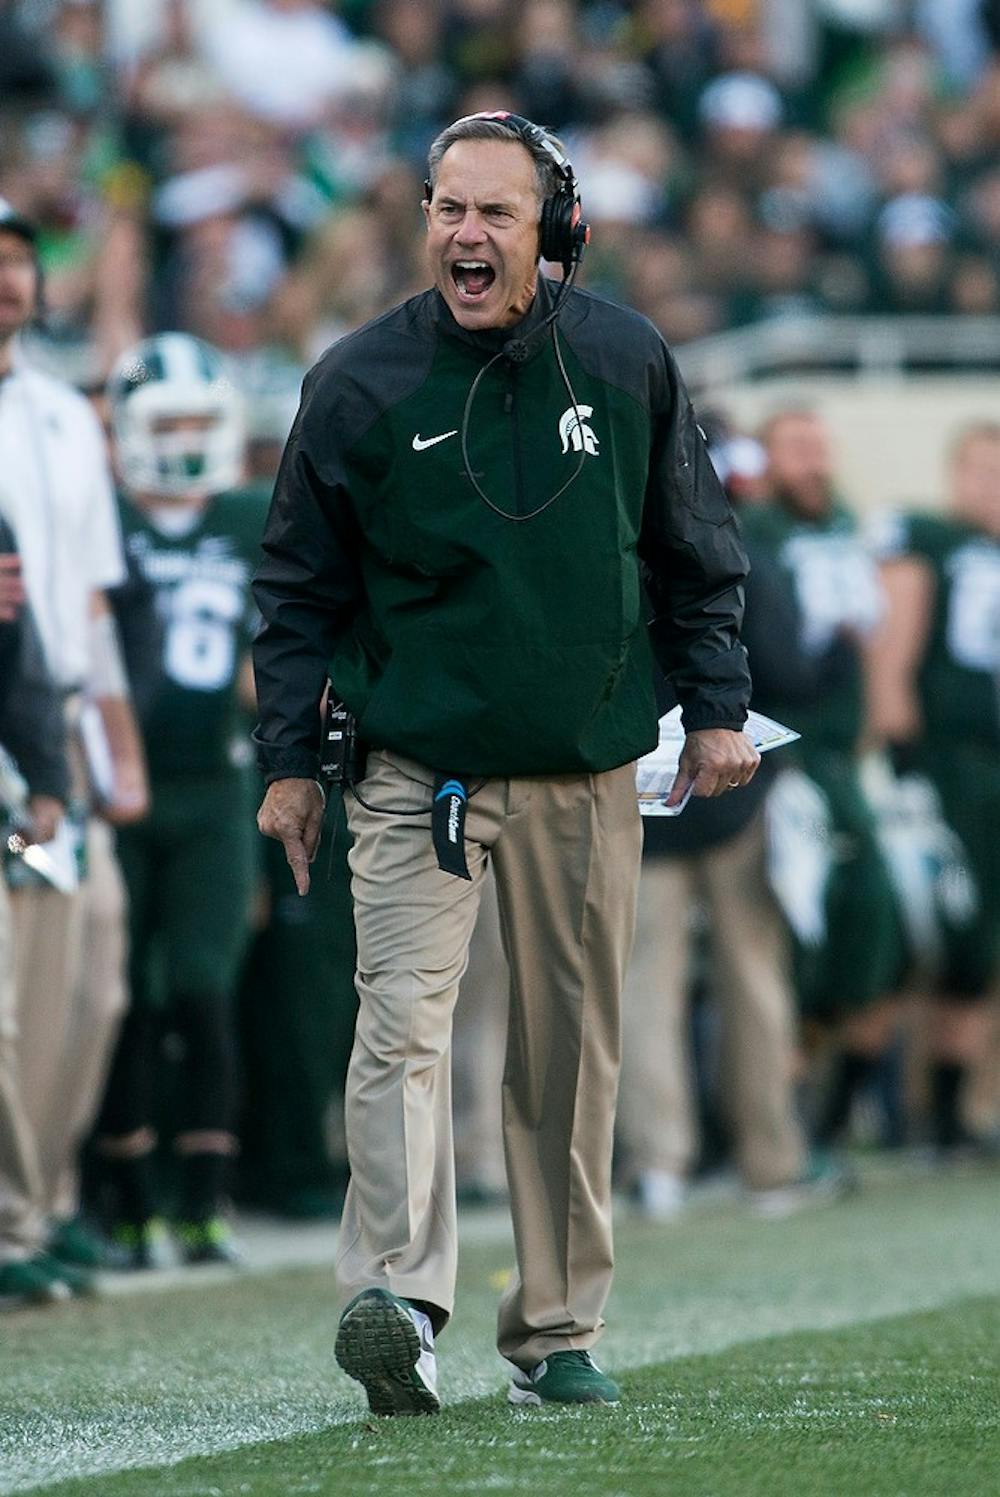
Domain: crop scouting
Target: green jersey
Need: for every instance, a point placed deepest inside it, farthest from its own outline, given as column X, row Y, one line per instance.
column 201, row 579
column 837, row 593
column 959, row 677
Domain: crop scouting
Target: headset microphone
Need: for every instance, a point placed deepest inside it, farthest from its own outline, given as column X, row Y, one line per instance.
column 516, row 351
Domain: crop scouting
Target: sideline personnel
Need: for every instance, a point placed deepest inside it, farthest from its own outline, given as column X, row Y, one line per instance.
column 465, row 507
column 56, row 494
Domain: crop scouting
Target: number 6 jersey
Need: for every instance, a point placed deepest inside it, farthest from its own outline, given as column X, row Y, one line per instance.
column 199, row 566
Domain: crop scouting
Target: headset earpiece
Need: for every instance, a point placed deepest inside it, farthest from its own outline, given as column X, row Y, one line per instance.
column 563, row 234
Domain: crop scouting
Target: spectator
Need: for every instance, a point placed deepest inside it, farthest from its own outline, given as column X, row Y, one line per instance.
column 424, row 90
column 914, row 255
column 719, row 227
column 545, row 75
column 479, row 42
column 285, row 61
column 78, row 55
column 27, row 73
column 783, row 276
column 959, row 33
column 679, row 45
column 740, row 114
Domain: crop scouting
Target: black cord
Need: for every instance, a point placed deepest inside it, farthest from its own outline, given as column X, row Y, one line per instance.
column 335, row 828
column 395, row 811
column 385, row 810
column 504, row 352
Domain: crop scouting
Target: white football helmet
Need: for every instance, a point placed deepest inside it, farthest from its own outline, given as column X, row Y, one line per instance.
column 152, row 389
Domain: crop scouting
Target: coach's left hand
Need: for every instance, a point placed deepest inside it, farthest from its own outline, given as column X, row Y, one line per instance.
column 713, row 760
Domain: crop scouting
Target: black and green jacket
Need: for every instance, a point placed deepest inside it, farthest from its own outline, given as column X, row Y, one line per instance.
column 489, row 644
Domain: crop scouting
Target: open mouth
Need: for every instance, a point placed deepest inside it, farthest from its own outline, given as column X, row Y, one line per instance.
column 473, row 278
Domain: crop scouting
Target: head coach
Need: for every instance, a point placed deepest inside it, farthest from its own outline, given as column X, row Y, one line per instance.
column 495, row 512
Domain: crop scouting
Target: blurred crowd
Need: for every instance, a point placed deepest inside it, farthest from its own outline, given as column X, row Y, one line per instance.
column 250, row 170
column 174, row 1022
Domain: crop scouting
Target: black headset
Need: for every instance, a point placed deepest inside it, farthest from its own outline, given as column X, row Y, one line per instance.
column 563, row 235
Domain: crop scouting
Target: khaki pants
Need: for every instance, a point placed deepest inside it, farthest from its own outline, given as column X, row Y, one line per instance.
column 478, row 1043
column 70, row 997
column 565, row 851
column 22, row 1224
column 99, row 1005
column 753, row 987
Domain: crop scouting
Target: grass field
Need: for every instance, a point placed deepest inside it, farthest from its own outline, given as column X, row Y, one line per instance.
column 851, row 1349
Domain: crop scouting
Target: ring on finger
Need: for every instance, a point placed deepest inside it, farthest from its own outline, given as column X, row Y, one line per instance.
column 734, row 784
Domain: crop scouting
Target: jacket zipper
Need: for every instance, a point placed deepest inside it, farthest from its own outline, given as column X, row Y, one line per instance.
column 510, row 406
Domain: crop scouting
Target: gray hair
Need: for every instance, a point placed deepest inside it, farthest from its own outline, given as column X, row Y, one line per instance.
column 475, row 127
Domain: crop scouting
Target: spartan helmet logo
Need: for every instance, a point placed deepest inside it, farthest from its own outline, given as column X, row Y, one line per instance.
column 572, row 429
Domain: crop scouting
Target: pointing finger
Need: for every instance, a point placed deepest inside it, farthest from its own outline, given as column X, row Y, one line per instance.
column 298, row 861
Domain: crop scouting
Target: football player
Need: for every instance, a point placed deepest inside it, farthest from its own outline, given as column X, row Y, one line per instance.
column 936, row 702
column 193, row 533
column 813, row 539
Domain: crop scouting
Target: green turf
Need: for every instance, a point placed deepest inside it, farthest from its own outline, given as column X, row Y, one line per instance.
column 142, row 1381
column 889, row 1409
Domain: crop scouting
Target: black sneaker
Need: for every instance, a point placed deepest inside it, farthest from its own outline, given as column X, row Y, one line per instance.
column 135, row 1247
column 387, row 1346
column 966, row 1147
column 564, row 1377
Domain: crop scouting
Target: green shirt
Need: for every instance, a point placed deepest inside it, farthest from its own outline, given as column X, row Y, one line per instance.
column 959, row 675
column 201, row 579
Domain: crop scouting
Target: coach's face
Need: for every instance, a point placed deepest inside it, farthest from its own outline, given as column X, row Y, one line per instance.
column 482, row 232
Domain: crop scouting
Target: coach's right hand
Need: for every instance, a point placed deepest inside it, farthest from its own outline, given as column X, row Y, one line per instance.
column 292, row 813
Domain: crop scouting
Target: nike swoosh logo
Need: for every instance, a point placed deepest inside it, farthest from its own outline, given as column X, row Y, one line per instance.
column 419, row 442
